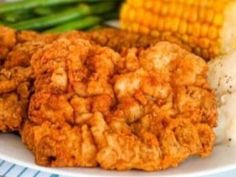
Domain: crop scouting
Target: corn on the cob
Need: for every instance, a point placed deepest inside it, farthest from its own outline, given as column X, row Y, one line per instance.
column 207, row 26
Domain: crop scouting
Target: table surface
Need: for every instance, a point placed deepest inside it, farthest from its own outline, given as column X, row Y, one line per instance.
column 8, row 169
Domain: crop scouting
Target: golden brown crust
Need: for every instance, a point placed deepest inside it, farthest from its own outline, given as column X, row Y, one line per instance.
column 120, row 40
column 145, row 109
column 16, row 50
column 7, row 41
column 14, row 97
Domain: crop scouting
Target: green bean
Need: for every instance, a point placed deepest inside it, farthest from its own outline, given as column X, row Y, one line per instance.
column 78, row 24
column 62, row 17
column 100, row 8
column 53, row 19
column 16, row 16
column 28, row 4
column 41, row 11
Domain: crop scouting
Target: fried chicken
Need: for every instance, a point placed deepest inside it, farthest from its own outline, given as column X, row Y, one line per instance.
column 139, row 104
column 7, row 41
column 16, row 79
column 23, row 44
column 16, row 50
column 121, row 40
column 146, row 109
column 28, row 42
column 14, row 97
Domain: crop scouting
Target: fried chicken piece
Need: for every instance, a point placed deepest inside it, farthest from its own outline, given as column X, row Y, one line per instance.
column 14, row 97
column 145, row 109
column 11, row 79
column 28, row 42
column 7, row 41
column 21, row 54
column 116, row 39
column 120, row 40
column 60, row 144
column 16, row 71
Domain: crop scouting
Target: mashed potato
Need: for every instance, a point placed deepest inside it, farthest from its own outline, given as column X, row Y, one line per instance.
column 222, row 78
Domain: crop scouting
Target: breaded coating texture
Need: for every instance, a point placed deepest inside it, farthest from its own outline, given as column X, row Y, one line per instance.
column 120, row 40
column 146, row 109
column 14, row 97
column 7, row 41
column 16, row 76
column 28, row 42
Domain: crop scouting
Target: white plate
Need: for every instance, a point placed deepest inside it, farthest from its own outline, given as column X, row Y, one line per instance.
column 222, row 159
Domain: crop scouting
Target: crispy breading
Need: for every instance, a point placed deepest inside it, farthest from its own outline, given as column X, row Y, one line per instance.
column 23, row 44
column 21, row 54
column 48, row 140
column 14, row 97
column 11, row 79
column 144, row 109
column 28, row 42
column 7, row 41
column 16, row 50
column 120, row 40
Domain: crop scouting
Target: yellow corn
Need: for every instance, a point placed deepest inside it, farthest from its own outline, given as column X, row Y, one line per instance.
column 207, row 26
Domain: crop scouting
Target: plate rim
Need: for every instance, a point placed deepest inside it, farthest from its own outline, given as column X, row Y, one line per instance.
column 66, row 172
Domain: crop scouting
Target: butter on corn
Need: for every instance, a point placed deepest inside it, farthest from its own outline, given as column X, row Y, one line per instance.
column 207, row 26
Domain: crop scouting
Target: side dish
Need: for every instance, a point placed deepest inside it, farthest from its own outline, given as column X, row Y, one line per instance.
column 207, row 26
column 222, row 78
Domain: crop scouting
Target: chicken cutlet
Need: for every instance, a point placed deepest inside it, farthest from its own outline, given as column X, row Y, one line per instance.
column 120, row 40
column 16, row 50
column 146, row 109
column 14, row 97
column 7, row 41
column 19, row 46
column 28, row 42
column 16, row 78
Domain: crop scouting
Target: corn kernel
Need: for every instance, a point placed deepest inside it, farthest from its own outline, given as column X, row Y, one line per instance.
column 160, row 25
column 193, row 15
column 172, row 9
column 196, row 29
column 164, row 10
column 213, row 32
column 209, row 15
column 148, row 19
column 189, row 2
column 183, row 27
column 148, row 5
column 132, row 15
column 218, row 19
column 204, row 30
column 157, row 5
column 175, row 24
column 179, row 10
column 190, row 29
column 135, row 27
column 135, row 3
column 204, row 43
column 168, row 24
